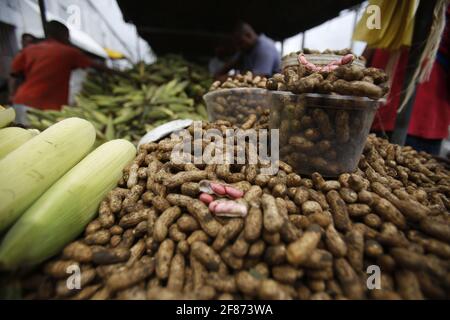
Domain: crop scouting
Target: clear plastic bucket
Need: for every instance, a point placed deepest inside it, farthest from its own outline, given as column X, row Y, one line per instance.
column 321, row 133
column 236, row 105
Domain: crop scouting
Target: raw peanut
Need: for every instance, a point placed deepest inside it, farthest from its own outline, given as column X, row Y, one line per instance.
column 303, row 292
column 388, row 212
column 78, row 251
column 176, row 273
column 342, row 126
column 222, row 283
column 317, row 286
column 58, row 269
column 272, row 220
column 253, row 224
column 339, row 211
column 164, row 258
column 186, row 223
column 348, row 195
column 293, row 180
column 286, row 274
column 391, row 236
column 323, row 219
column 271, row 290
column 175, row 234
column 372, row 220
column 358, row 210
column 93, row 227
column 132, row 219
column 185, row 176
column 206, row 255
column 253, row 194
column 160, row 203
column 247, row 283
column 408, row 285
column 201, row 212
column 366, row 197
column 289, row 232
column 100, row 237
column 335, row 244
column 116, row 230
column 301, row 196
column 299, row 251
column 231, row 260
column 256, row 249
column 127, row 239
column 190, row 189
column 300, row 221
column 86, row 292
column 271, row 238
column 161, row 229
column 318, row 197
column 198, row 235
column 128, row 278
column 319, row 259
column 240, row 246
column 105, row 215
column 437, row 229
column 102, row 256
column 357, row 183
column 115, row 240
column 227, row 233
column 282, row 208
column 178, row 200
column 310, row 207
column 275, row 255
column 350, row 283
column 87, row 275
column 355, row 248
column 372, row 248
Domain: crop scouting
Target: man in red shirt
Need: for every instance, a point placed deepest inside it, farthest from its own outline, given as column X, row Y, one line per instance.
column 46, row 68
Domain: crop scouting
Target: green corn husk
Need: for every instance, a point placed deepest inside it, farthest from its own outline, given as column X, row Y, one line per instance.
column 12, row 138
column 27, row 172
column 64, row 210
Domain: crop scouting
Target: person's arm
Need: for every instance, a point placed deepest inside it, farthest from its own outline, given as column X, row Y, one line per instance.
column 13, row 85
column 103, row 68
column 83, row 61
column 16, row 75
column 227, row 67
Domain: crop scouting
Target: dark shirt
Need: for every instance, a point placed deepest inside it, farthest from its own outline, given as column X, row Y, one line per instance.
column 262, row 59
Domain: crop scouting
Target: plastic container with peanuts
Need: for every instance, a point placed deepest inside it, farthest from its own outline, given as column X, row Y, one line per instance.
column 236, row 105
column 320, row 132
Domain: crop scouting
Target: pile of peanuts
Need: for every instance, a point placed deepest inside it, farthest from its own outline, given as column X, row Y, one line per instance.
column 343, row 77
column 303, row 237
column 247, row 80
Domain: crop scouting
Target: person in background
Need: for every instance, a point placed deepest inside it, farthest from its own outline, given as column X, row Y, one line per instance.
column 430, row 117
column 28, row 39
column 257, row 53
column 46, row 67
column 222, row 54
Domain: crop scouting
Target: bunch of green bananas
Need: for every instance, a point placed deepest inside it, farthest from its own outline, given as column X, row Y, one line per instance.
column 129, row 106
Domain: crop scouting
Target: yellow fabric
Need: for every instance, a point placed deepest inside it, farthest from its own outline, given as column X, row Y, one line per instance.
column 114, row 54
column 396, row 25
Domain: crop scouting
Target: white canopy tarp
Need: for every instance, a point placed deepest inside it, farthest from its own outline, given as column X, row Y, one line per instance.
column 77, row 37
